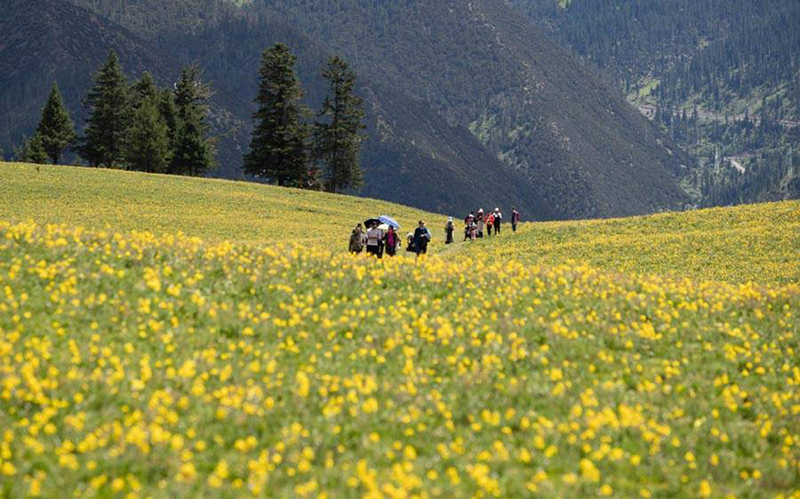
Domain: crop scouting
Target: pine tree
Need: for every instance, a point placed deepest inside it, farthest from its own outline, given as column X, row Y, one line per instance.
column 194, row 150
column 169, row 111
column 147, row 147
column 31, row 150
column 144, row 88
column 110, row 116
column 55, row 128
column 279, row 145
column 338, row 131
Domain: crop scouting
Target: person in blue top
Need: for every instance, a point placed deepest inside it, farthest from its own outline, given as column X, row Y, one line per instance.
column 422, row 237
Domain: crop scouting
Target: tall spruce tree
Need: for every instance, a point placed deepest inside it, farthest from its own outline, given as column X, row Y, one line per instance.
column 169, row 111
column 55, row 128
column 338, row 130
column 147, row 147
column 144, row 88
column 279, row 145
column 194, row 149
column 110, row 116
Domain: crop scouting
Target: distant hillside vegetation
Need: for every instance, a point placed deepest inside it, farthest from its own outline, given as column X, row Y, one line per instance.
column 721, row 77
column 585, row 151
column 468, row 105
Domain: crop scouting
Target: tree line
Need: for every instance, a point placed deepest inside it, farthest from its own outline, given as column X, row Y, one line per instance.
column 137, row 126
column 141, row 127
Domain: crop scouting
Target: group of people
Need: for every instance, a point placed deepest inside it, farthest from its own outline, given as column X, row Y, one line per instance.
column 378, row 241
column 475, row 225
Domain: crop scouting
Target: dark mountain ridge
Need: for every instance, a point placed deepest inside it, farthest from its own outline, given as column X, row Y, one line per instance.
column 467, row 105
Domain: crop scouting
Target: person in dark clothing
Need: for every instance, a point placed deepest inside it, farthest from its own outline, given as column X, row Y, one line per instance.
column 449, row 228
column 469, row 224
column 498, row 218
column 357, row 240
column 421, row 238
column 514, row 219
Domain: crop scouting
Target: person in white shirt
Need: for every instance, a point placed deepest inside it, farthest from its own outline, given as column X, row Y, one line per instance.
column 498, row 218
column 374, row 238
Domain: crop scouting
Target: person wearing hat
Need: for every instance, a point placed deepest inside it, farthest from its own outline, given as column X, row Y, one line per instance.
column 480, row 220
column 498, row 217
column 470, row 228
column 421, row 238
column 449, row 228
column 469, row 222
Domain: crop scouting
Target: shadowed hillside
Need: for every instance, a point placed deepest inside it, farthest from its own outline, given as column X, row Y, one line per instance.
column 468, row 105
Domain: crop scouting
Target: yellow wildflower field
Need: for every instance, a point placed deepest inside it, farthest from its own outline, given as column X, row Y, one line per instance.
column 759, row 243
column 155, row 364
column 216, row 210
column 139, row 366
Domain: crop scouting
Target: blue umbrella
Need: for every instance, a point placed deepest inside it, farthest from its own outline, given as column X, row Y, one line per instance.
column 391, row 222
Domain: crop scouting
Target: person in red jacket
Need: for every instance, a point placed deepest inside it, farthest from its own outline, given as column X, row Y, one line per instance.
column 392, row 242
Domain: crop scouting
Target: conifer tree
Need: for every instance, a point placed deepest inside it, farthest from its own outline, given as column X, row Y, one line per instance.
column 31, row 150
column 338, row 130
column 144, row 88
column 147, row 147
column 110, row 116
column 194, row 149
column 279, row 145
column 169, row 111
column 55, row 128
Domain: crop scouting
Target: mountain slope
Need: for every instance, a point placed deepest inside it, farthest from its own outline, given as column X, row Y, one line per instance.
column 50, row 40
column 584, row 150
column 546, row 135
column 443, row 168
column 721, row 77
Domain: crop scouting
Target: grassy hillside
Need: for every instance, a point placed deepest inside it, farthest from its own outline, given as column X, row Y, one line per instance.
column 749, row 243
column 757, row 243
column 138, row 366
column 214, row 210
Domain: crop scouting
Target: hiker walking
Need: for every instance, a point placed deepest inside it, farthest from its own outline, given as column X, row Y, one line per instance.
column 469, row 224
column 374, row 238
column 498, row 218
column 514, row 219
column 449, row 228
column 480, row 220
column 421, row 238
column 472, row 229
column 489, row 224
column 357, row 240
column 392, row 242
